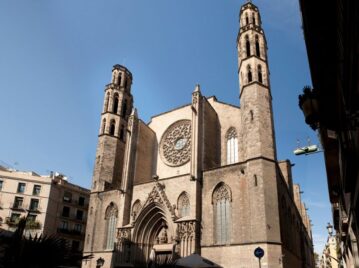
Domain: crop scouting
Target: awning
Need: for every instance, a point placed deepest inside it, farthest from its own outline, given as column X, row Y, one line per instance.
column 195, row 261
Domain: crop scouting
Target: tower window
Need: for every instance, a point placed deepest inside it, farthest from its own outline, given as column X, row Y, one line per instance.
column 248, row 46
column 260, row 78
column 249, row 74
column 253, row 18
column 232, row 146
column 112, row 128
column 258, row 52
column 221, row 199
column 247, row 20
column 119, row 78
column 103, row 126
column 125, row 84
column 107, row 100
column 124, row 108
column 115, row 104
column 122, row 133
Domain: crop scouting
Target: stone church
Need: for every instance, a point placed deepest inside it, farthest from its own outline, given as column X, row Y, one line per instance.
column 202, row 178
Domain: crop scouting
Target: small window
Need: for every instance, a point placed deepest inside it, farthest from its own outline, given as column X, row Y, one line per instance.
column 258, row 51
column 249, row 74
column 18, row 202
column 67, row 197
column 36, row 190
column 119, row 78
column 21, row 187
column 115, row 104
column 122, row 133
column 81, row 201
column 248, row 46
column 112, row 128
column 183, row 205
column 107, row 100
column 79, row 214
column 232, row 146
column 65, row 211
column 247, row 19
column 260, row 77
column 103, row 128
column 15, row 217
column 31, row 218
column 75, row 246
column 34, row 204
column 125, row 84
column 78, row 227
column 124, row 108
column 1, row 185
column 64, row 225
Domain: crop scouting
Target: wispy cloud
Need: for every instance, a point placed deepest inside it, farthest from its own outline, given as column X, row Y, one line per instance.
column 285, row 14
column 319, row 242
column 317, row 204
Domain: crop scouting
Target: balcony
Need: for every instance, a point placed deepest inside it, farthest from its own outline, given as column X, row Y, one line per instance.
column 18, row 206
column 12, row 222
column 70, row 232
column 34, row 209
column 30, row 225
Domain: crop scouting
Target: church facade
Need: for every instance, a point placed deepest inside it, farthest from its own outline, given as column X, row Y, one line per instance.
column 202, row 178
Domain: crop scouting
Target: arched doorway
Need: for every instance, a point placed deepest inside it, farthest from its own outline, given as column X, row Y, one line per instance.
column 153, row 236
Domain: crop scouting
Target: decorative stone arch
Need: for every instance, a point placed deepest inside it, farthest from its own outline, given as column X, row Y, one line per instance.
column 153, row 226
column 183, row 205
column 221, row 200
column 221, row 190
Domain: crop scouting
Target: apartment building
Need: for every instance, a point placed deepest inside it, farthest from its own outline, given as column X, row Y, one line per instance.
column 51, row 204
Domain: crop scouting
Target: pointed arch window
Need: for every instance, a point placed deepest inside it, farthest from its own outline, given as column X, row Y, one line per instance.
column 107, row 100
column 247, row 19
column 112, row 127
column 253, row 18
column 111, row 223
column 183, row 205
column 119, row 78
column 248, row 46
column 232, row 146
column 124, row 109
column 249, row 74
column 258, row 51
column 260, row 77
column 221, row 200
column 136, row 209
column 103, row 128
column 122, row 133
column 115, row 104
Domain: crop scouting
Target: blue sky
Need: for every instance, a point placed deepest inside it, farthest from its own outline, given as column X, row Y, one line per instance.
column 56, row 57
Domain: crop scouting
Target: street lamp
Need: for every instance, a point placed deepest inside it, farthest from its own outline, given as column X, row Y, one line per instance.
column 100, row 262
column 330, row 229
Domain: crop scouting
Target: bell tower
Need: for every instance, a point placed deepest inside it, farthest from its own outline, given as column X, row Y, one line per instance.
column 117, row 107
column 255, row 94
